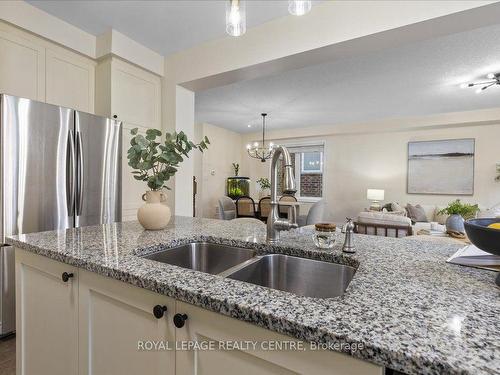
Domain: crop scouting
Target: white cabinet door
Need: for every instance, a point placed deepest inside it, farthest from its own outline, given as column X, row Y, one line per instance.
column 22, row 66
column 117, row 326
column 70, row 80
column 46, row 316
column 136, row 101
column 204, row 326
column 135, row 95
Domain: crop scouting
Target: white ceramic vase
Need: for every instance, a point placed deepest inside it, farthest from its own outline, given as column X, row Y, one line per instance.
column 154, row 214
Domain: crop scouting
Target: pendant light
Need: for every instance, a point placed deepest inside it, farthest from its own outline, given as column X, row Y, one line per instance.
column 236, row 22
column 299, row 7
column 260, row 151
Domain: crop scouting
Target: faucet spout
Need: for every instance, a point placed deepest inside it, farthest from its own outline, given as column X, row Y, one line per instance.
column 274, row 223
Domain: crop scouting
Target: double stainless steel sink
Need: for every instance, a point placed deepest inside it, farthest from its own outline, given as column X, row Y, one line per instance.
column 203, row 256
column 301, row 276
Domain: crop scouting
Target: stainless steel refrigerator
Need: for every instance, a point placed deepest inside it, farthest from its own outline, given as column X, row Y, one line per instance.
column 59, row 168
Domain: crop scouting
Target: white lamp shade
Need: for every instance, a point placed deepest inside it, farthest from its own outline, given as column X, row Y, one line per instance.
column 375, row 194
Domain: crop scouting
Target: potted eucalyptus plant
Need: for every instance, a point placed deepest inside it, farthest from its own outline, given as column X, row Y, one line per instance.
column 154, row 161
column 459, row 212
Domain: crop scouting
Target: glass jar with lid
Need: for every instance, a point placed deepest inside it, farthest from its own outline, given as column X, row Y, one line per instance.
column 325, row 235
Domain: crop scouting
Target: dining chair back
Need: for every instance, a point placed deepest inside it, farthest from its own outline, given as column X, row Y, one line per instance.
column 318, row 213
column 283, row 210
column 264, row 207
column 227, row 208
column 245, row 207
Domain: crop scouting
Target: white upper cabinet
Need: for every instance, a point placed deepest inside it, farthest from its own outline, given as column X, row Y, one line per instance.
column 133, row 95
column 22, row 65
column 70, row 80
column 34, row 68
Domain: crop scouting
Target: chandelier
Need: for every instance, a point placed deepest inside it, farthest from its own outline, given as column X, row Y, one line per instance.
column 492, row 80
column 260, row 151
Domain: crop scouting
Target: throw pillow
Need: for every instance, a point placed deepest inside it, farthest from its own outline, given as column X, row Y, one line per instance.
column 416, row 213
column 396, row 207
column 387, row 207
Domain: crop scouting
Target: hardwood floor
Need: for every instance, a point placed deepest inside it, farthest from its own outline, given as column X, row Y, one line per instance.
column 8, row 355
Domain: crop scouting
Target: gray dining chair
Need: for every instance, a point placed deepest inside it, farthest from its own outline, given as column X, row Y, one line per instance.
column 318, row 213
column 227, row 208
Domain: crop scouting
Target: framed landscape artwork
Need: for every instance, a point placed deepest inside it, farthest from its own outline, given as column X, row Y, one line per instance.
column 441, row 167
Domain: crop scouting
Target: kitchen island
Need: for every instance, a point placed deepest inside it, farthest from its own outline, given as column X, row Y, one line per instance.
column 405, row 309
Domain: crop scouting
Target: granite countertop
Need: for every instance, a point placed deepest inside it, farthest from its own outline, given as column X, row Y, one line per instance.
column 407, row 308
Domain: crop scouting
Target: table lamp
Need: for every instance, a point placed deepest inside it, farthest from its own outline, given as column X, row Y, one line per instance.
column 375, row 195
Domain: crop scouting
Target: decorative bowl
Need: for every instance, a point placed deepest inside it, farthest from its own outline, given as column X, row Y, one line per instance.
column 487, row 239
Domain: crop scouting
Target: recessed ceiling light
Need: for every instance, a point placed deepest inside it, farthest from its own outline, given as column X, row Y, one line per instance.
column 249, row 125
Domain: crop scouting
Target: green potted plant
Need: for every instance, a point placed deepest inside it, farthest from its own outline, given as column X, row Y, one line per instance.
column 236, row 168
column 237, row 186
column 459, row 212
column 265, row 187
column 154, row 161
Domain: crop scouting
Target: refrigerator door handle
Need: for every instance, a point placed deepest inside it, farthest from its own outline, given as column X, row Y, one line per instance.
column 70, row 174
column 80, row 174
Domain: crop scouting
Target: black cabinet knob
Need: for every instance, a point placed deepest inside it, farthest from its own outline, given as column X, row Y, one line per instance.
column 179, row 320
column 66, row 276
column 159, row 310
column 115, row 116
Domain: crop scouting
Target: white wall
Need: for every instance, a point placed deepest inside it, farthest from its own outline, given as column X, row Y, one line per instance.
column 184, row 121
column 359, row 160
column 214, row 166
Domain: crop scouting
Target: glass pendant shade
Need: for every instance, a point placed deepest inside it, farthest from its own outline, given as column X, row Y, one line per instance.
column 299, row 7
column 236, row 22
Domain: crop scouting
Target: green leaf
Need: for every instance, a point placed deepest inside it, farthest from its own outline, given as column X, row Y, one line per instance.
column 206, row 140
column 154, row 162
column 153, row 132
column 141, row 142
column 134, row 131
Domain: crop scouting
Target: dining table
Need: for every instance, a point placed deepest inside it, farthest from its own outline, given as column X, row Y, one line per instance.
column 281, row 203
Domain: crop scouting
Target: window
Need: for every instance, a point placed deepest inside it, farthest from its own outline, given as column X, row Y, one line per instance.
column 307, row 161
column 311, row 162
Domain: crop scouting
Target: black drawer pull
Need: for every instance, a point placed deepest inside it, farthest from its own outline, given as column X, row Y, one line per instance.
column 179, row 320
column 159, row 311
column 66, row 276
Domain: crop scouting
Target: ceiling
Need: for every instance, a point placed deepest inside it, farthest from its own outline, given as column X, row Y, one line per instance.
column 416, row 79
column 164, row 26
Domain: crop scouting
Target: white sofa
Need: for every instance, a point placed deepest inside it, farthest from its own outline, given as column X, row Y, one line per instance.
column 432, row 214
column 383, row 224
column 399, row 219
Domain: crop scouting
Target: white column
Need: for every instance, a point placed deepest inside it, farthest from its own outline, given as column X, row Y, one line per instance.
column 184, row 121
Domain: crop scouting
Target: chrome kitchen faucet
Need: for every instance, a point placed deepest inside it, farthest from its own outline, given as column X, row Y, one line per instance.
column 275, row 224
